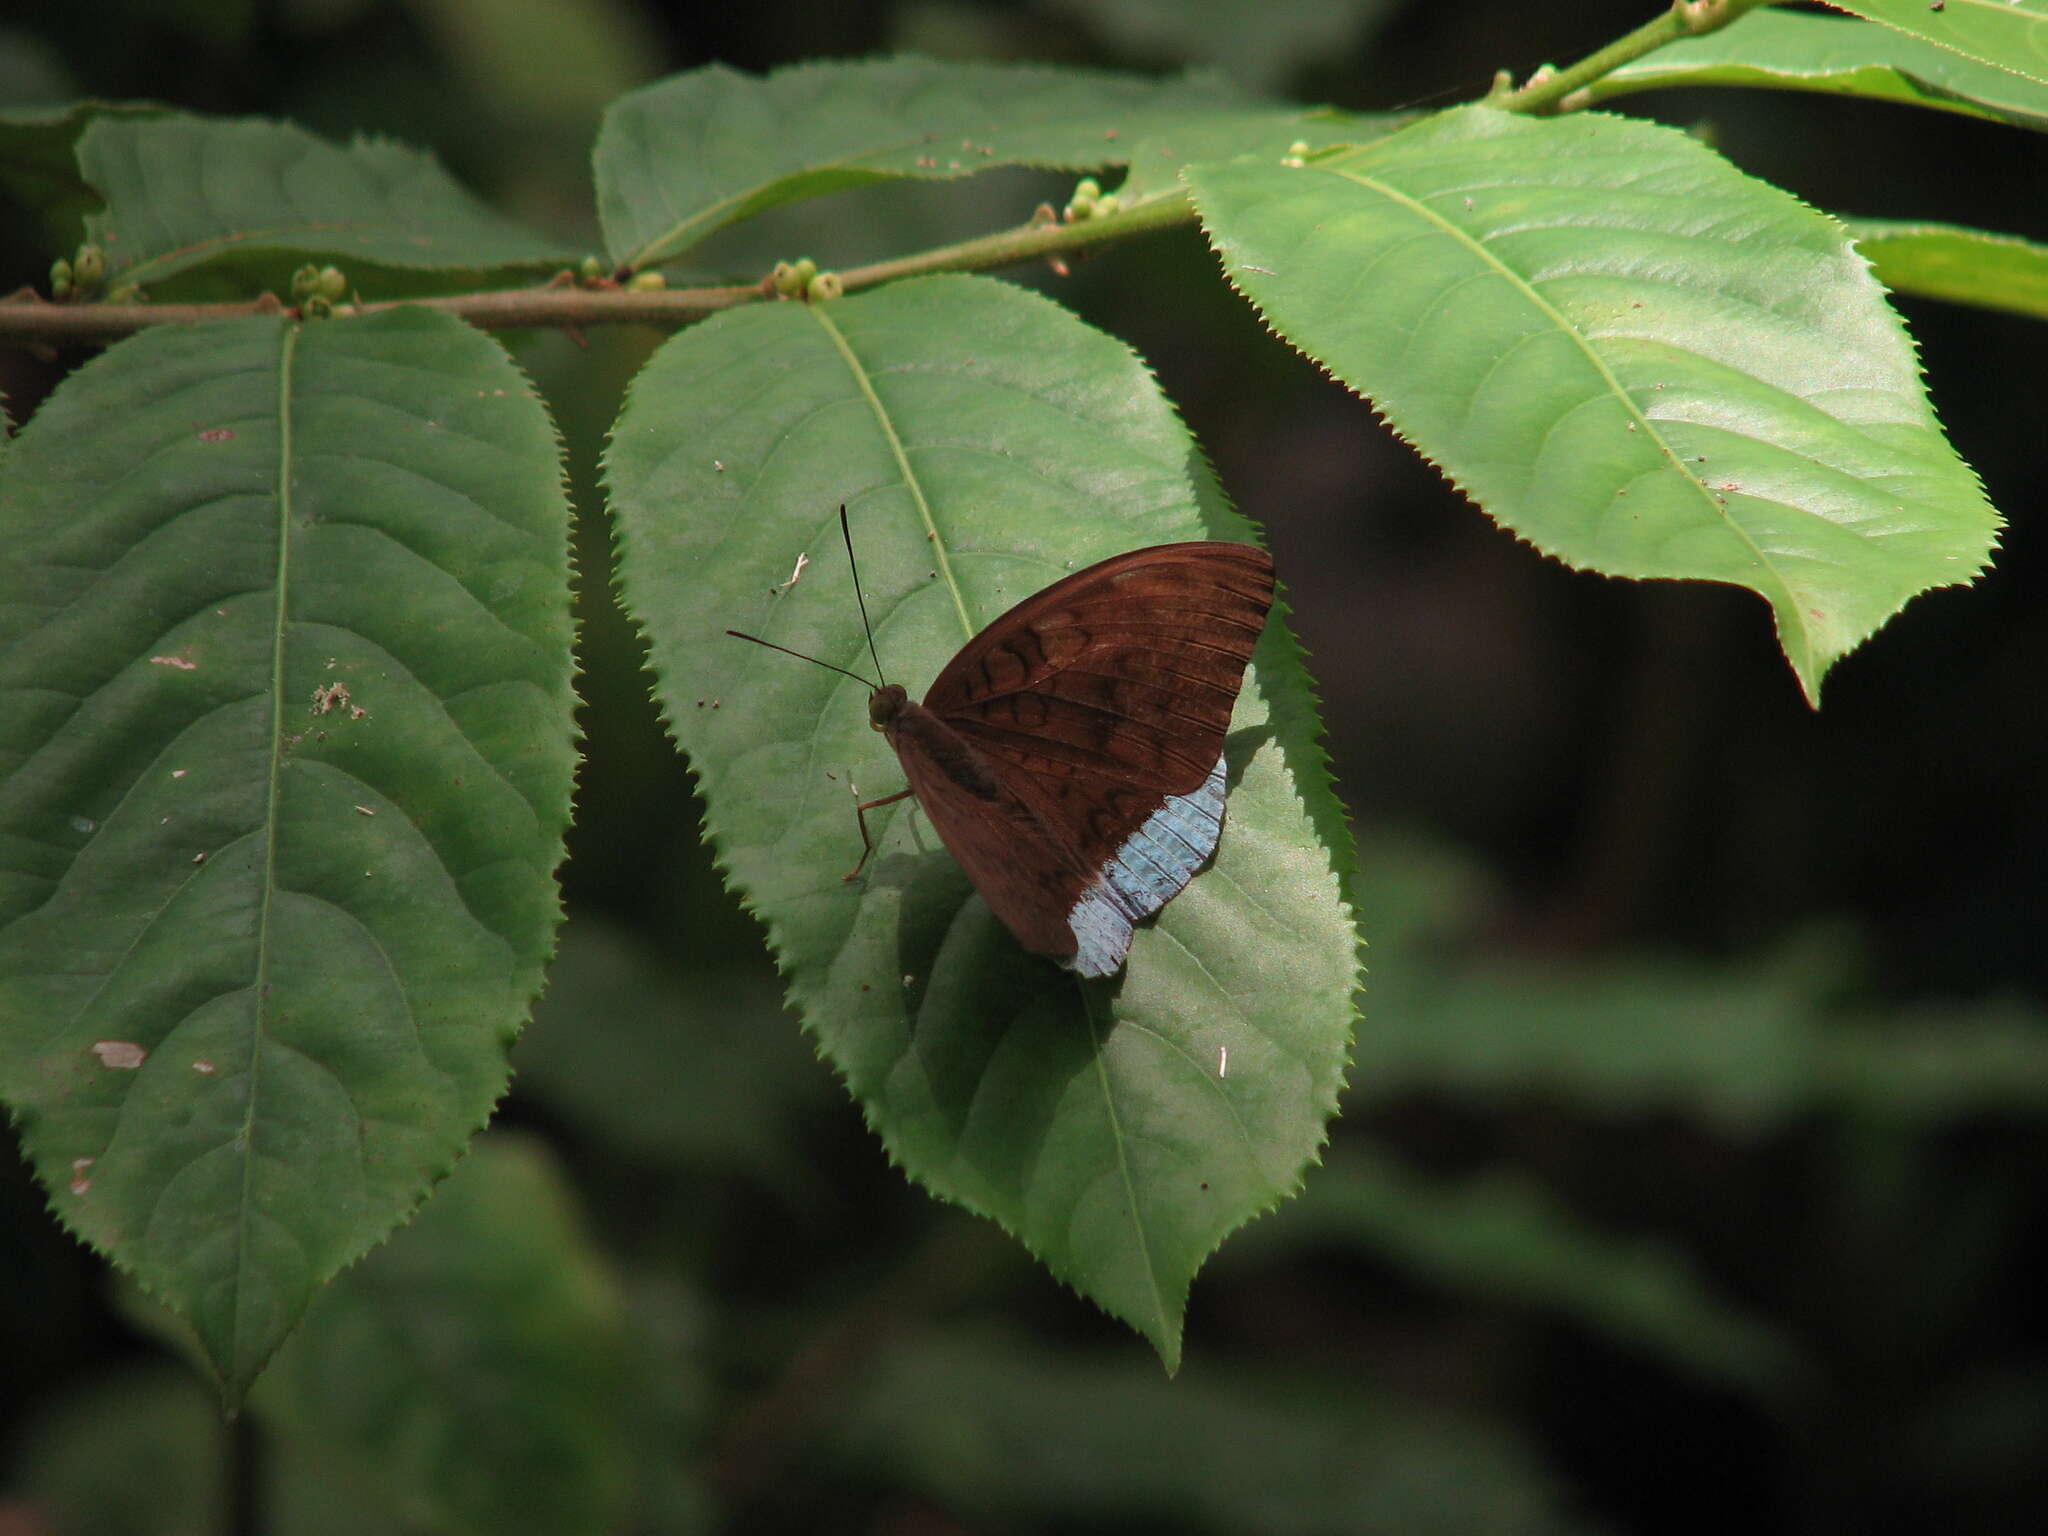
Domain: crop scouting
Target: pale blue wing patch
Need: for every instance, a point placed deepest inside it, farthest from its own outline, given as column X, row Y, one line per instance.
column 1145, row 874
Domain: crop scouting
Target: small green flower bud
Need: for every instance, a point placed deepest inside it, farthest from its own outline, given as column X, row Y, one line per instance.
column 806, row 269
column 305, row 283
column 127, row 293
column 1105, row 206
column 647, row 282
column 60, row 279
column 785, row 280
column 333, row 284
column 1298, row 149
column 316, row 306
column 89, row 266
column 590, row 270
column 826, row 286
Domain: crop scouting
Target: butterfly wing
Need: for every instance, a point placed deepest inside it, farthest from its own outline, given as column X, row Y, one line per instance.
column 1127, row 670
column 1024, row 873
column 1071, row 755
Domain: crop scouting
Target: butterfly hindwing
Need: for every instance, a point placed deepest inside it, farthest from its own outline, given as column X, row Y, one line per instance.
column 1027, row 876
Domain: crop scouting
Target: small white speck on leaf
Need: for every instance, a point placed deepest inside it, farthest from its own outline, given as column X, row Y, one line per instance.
column 203, row 1067
column 121, row 1055
column 79, row 1182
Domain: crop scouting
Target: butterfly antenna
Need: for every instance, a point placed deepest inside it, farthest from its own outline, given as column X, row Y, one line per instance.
column 866, row 628
column 800, row 656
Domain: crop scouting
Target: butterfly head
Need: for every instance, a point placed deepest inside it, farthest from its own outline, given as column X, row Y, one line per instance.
column 885, row 704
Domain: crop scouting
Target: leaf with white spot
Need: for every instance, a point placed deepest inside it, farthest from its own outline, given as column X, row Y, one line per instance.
column 986, row 444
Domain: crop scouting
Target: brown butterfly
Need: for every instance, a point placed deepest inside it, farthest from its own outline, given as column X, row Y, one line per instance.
column 1070, row 757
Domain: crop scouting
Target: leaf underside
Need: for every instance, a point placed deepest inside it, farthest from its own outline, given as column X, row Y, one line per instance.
column 689, row 155
column 183, row 191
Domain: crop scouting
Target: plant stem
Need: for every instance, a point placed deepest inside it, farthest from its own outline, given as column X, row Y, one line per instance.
column 1029, row 243
column 25, row 318
column 1547, row 89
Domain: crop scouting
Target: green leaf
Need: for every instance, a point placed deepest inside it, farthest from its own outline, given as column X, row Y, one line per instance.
column 691, row 154
column 986, row 444
column 471, row 1372
column 1014, row 1436
column 2011, row 34
column 1503, row 1238
column 694, row 1069
column 154, row 1423
column 1964, row 266
column 284, row 772
column 39, row 162
column 1254, row 42
column 1747, row 1048
column 1782, row 50
column 183, row 191
column 1632, row 355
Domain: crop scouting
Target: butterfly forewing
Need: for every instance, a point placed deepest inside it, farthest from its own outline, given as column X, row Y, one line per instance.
column 1127, row 670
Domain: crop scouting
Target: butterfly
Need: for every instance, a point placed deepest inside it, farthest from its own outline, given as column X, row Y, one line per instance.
column 1070, row 757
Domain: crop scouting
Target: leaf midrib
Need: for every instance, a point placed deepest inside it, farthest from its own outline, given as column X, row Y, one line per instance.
column 1578, row 339
column 274, row 783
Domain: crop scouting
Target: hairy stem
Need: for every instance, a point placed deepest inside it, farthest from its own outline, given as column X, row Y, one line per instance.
column 1547, row 90
column 26, row 318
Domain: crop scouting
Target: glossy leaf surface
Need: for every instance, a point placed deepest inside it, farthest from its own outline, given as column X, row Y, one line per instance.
column 2008, row 34
column 1964, row 266
column 1627, row 352
column 1834, row 56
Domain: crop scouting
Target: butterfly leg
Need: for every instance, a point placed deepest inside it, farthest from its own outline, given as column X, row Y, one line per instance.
column 860, row 815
